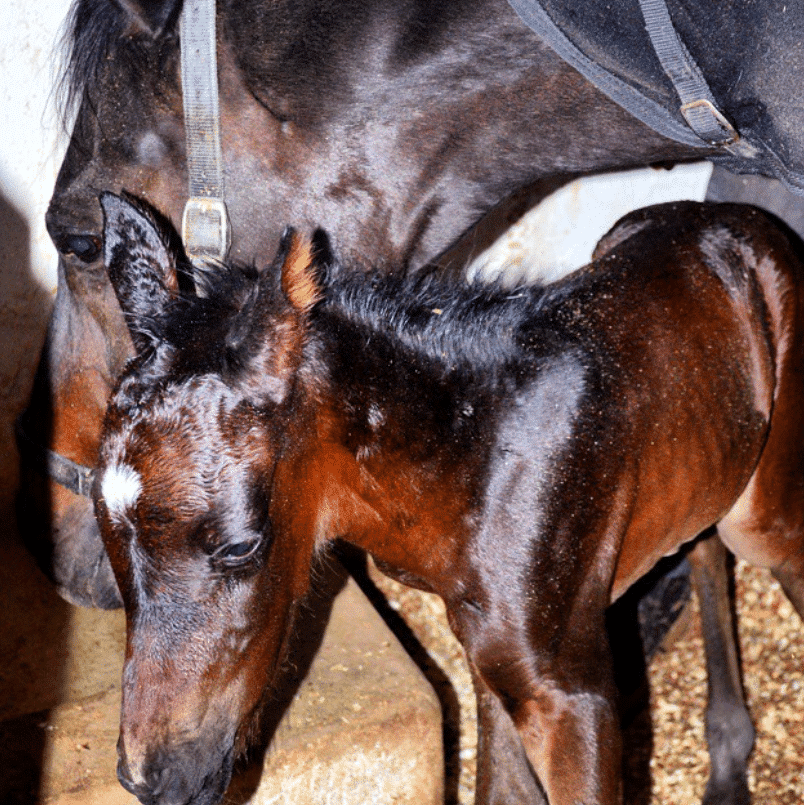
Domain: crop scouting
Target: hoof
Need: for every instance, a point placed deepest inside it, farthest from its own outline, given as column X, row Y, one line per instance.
column 733, row 791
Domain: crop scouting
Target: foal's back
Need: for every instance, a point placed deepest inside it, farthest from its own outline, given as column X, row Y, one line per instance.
column 639, row 390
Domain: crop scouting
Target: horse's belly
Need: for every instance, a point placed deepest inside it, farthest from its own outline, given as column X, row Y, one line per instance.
column 670, row 512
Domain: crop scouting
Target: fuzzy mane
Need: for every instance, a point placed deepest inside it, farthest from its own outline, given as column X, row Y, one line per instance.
column 475, row 326
column 205, row 328
column 94, row 29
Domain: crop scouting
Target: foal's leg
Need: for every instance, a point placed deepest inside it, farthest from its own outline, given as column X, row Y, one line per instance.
column 792, row 582
column 573, row 741
column 560, row 698
column 503, row 774
column 729, row 731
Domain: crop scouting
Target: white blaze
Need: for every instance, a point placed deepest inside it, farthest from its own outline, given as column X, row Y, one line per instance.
column 121, row 487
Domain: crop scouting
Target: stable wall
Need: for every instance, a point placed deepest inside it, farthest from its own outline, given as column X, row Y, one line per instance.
column 30, row 152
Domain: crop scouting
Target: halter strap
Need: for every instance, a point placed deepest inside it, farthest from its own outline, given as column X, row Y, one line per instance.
column 73, row 476
column 205, row 223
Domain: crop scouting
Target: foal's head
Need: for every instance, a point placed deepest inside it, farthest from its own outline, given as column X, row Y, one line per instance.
column 191, row 441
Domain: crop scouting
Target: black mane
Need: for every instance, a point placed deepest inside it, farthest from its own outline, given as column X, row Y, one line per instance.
column 476, row 326
column 93, row 31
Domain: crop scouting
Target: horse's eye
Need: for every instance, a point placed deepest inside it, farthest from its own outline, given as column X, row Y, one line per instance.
column 236, row 554
column 86, row 248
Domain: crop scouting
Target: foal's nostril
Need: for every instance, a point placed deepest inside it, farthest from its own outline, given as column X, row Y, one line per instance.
column 186, row 775
column 146, row 792
column 124, row 776
column 124, row 773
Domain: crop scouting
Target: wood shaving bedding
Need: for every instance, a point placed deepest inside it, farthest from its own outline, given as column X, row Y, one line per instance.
column 666, row 759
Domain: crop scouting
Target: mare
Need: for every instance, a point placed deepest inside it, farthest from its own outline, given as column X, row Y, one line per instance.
column 394, row 125
column 551, row 444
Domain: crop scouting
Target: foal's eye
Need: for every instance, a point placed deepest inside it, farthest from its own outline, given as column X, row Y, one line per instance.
column 236, row 554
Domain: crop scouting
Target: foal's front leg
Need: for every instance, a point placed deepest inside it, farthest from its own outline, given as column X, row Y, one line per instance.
column 504, row 774
column 562, row 704
column 572, row 738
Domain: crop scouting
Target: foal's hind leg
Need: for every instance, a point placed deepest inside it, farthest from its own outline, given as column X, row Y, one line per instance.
column 792, row 583
column 729, row 731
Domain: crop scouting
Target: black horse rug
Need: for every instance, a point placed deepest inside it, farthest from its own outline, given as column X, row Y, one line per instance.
column 728, row 73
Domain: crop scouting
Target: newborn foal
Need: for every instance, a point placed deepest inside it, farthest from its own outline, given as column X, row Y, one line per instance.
column 527, row 454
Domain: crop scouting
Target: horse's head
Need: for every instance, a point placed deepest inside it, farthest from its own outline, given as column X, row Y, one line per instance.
column 183, row 498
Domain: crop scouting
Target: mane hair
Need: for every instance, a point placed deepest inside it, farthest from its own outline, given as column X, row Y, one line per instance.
column 476, row 326
column 227, row 294
column 211, row 317
column 94, row 29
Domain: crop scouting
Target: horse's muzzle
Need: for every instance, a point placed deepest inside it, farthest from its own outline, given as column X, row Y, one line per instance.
column 178, row 777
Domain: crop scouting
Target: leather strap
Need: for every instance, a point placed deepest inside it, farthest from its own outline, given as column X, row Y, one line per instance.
column 649, row 112
column 71, row 475
column 698, row 105
column 205, row 223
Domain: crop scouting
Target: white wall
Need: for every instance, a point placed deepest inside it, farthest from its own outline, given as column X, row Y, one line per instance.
column 30, row 152
column 560, row 234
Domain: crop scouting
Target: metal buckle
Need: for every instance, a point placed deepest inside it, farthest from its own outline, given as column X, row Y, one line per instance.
column 205, row 229
column 689, row 110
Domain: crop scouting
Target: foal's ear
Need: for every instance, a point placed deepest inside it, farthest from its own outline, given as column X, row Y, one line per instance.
column 152, row 16
column 298, row 263
column 141, row 266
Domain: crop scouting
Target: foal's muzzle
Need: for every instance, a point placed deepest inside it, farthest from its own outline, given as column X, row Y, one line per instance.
column 181, row 776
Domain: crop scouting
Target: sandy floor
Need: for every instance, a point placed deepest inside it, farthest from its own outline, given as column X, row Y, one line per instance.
column 674, row 768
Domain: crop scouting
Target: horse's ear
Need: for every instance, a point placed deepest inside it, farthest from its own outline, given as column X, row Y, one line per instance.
column 141, row 266
column 299, row 266
column 153, row 16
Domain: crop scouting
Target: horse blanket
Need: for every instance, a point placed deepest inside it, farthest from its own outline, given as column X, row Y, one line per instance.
column 750, row 53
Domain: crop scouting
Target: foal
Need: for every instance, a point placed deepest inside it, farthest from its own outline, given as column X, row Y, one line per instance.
column 526, row 454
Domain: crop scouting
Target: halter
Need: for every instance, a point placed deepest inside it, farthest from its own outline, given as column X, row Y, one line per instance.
column 206, row 233
column 205, row 224
column 73, row 476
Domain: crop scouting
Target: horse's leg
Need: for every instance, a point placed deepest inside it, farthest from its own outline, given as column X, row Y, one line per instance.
column 556, row 686
column 792, row 582
column 729, row 731
column 503, row 771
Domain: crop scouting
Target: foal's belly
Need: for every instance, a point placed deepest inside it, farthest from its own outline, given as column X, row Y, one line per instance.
column 674, row 508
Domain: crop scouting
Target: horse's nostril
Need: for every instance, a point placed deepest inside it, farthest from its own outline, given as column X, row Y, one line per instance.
column 86, row 248
column 124, row 777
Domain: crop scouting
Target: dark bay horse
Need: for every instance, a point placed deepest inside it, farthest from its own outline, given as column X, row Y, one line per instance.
column 394, row 125
column 526, row 454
